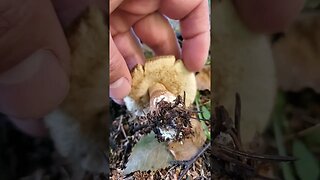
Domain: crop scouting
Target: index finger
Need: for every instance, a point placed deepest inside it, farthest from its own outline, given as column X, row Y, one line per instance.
column 195, row 29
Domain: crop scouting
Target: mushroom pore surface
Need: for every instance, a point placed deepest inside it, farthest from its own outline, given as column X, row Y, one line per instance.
column 164, row 76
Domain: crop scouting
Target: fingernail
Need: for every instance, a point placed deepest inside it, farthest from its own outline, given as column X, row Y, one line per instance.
column 31, row 127
column 118, row 101
column 133, row 61
column 120, row 88
column 34, row 87
column 22, row 71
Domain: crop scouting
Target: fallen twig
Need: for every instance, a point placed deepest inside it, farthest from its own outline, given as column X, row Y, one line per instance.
column 235, row 162
column 237, row 117
column 123, row 132
column 189, row 163
column 256, row 156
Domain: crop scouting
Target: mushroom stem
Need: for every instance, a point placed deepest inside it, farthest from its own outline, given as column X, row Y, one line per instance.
column 187, row 147
column 157, row 93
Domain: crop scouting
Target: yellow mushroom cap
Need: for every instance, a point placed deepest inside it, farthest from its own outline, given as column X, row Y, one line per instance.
column 164, row 70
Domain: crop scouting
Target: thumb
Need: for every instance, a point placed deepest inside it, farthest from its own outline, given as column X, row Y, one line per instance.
column 34, row 59
column 120, row 78
column 34, row 63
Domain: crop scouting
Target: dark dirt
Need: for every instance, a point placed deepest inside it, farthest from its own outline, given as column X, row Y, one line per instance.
column 21, row 155
column 24, row 157
column 29, row 158
column 126, row 132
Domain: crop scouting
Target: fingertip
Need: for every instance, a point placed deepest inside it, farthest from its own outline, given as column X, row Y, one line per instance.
column 160, row 36
column 194, row 66
column 31, row 127
column 195, row 52
column 118, row 101
column 34, row 87
column 119, row 89
column 120, row 77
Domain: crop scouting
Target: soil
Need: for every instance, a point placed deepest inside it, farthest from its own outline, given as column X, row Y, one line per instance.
column 127, row 130
column 28, row 158
column 24, row 157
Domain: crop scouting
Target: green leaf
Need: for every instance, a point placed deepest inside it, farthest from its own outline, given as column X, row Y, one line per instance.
column 307, row 166
column 313, row 138
column 197, row 105
column 206, row 130
column 278, row 117
column 205, row 113
column 148, row 154
column 208, row 104
column 285, row 167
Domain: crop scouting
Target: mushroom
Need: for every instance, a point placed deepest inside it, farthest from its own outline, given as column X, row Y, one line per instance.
column 191, row 144
column 203, row 78
column 163, row 79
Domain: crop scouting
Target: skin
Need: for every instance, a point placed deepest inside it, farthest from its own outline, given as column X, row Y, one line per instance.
column 35, row 57
column 34, row 71
column 128, row 22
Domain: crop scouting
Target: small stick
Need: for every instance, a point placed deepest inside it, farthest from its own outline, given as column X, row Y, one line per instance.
column 140, row 128
column 240, row 164
column 198, row 119
column 121, row 127
column 191, row 161
column 256, row 156
column 123, row 132
column 174, row 166
column 184, row 99
column 235, row 138
column 237, row 116
column 224, row 156
column 120, row 122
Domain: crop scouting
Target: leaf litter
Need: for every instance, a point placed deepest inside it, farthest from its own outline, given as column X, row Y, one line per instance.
column 223, row 158
column 131, row 152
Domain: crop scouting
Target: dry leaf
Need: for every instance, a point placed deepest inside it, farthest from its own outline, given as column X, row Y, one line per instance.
column 148, row 154
column 203, row 78
column 266, row 170
column 297, row 55
column 191, row 145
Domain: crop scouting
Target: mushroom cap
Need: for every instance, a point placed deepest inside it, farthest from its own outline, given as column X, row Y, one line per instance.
column 189, row 147
column 166, row 70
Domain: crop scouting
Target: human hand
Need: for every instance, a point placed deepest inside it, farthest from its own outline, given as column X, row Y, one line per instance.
column 35, row 56
column 144, row 19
